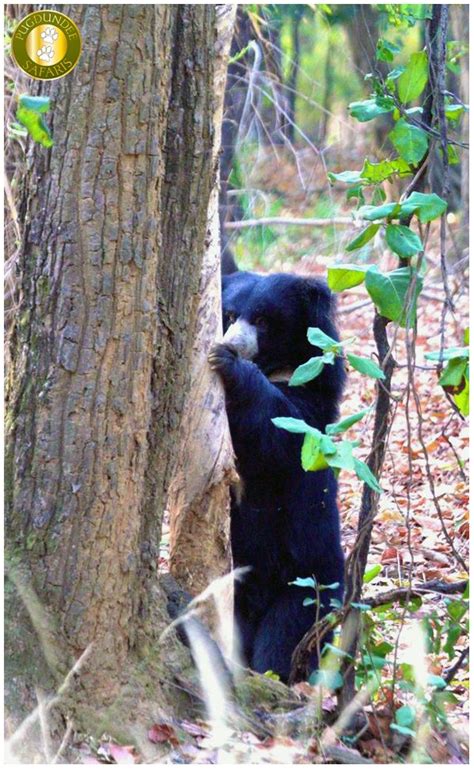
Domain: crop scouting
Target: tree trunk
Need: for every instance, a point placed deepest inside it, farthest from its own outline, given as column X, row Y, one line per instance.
column 363, row 33
column 234, row 101
column 328, row 93
column 295, row 65
column 110, row 286
column 199, row 495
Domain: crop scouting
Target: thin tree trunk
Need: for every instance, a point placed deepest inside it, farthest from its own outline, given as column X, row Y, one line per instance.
column 110, row 273
column 234, row 100
column 293, row 77
column 328, row 94
column 199, row 496
column 363, row 33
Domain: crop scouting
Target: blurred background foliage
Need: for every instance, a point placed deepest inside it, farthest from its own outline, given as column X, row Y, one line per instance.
column 295, row 69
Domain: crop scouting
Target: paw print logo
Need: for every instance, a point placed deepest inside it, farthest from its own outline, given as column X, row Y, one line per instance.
column 46, row 46
column 49, row 35
column 46, row 53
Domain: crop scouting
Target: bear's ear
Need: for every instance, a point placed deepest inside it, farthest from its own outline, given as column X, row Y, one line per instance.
column 320, row 307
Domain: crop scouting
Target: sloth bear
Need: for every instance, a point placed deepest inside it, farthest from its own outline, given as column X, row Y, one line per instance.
column 284, row 521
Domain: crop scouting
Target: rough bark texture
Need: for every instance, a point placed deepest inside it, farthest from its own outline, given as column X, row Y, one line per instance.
column 199, row 496
column 110, row 284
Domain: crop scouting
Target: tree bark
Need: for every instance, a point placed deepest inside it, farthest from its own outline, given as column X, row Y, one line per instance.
column 110, row 285
column 199, row 495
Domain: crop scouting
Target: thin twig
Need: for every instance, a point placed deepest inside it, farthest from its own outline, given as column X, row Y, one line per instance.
column 288, row 222
column 451, row 672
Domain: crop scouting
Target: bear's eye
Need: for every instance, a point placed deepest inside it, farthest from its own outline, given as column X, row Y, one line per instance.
column 261, row 322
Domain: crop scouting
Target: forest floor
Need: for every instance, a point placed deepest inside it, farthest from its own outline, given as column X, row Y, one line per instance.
column 416, row 539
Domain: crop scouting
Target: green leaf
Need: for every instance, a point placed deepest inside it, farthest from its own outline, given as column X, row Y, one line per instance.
column 457, row 609
column 380, row 649
column 356, row 192
column 292, row 425
column 374, row 662
column 365, row 474
column 319, row 339
column 462, row 400
column 403, row 730
column 342, row 276
column 312, row 458
column 402, row 240
column 363, row 238
column 348, row 177
column 452, row 637
column 454, row 111
column 410, row 141
column 327, row 446
column 394, row 74
column 371, row 573
column 331, row 649
column 454, row 372
column 378, row 212
column 369, row 109
column 426, row 207
column 339, row 427
column 304, row 582
column 405, row 716
column 270, row 674
column 39, row 104
column 437, row 681
column 365, row 366
column 388, row 292
column 386, row 50
column 309, row 601
column 343, row 458
column 332, row 586
column 375, row 173
column 33, row 121
column 412, row 82
column 415, row 603
column 330, row 679
column 307, row 371
column 448, row 354
column 416, row 10
column 408, row 672
column 453, row 155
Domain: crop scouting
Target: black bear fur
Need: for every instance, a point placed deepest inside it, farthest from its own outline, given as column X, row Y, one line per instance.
column 285, row 521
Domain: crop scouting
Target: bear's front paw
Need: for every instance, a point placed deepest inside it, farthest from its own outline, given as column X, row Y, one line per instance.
column 222, row 357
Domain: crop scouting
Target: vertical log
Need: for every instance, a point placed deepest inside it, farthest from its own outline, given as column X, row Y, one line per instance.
column 199, row 497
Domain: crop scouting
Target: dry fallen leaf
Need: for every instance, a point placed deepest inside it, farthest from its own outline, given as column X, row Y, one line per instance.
column 163, row 733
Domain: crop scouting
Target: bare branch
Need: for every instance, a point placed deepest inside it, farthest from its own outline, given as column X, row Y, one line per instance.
column 289, row 222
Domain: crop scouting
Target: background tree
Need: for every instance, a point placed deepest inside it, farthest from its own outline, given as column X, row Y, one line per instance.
column 109, row 286
column 235, row 94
